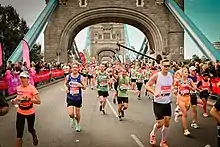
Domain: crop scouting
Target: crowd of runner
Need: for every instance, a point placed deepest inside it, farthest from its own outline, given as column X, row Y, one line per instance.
column 156, row 82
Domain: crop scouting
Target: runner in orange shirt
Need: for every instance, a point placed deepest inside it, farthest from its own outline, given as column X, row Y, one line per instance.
column 27, row 96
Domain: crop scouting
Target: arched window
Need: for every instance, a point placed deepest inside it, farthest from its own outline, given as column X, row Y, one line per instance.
column 82, row 3
column 139, row 3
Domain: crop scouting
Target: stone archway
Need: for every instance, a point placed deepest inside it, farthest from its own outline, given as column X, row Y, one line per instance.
column 104, row 52
column 118, row 15
column 155, row 21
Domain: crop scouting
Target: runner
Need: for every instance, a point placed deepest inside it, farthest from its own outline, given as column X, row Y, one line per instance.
column 205, row 87
column 184, row 86
column 133, row 74
column 140, row 80
column 91, row 78
column 161, row 102
column 102, row 88
column 123, row 86
column 115, row 75
column 4, row 107
column 215, row 113
column 66, row 69
column 147, row 74
column 193, row 97
column 74, row 83
column 27, row 95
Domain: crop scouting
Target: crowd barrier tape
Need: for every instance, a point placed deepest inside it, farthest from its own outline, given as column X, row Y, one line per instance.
column 11, row 83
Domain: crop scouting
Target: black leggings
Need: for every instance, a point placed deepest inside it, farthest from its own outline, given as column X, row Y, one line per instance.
column 20, row 123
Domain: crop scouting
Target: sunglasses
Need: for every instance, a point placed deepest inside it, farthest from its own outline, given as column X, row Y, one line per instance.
column 166, row 66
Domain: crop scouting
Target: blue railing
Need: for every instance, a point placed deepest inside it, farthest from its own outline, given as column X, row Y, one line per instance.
column 196, row 35
column 35, row 30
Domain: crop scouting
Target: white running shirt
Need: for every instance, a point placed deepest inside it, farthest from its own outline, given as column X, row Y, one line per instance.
column 164, row 88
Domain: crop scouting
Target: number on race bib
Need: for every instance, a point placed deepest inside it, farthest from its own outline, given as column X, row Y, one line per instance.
column 74, row 90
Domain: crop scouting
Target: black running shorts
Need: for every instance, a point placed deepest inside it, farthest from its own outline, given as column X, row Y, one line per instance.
column 103, row 93
column 122, row 100
column 77, row 104
column 162, row 110
column 139, row 86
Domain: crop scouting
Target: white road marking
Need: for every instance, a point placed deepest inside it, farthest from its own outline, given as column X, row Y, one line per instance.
column 140, row 144
column 110, row 105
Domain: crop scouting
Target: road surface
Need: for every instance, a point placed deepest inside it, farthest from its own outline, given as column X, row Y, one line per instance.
column 53, row 124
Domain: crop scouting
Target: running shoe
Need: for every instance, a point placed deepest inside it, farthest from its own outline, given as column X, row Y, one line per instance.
column 194, row 125
column 186, row 132
column 103, row 112
column 78, row 128
column 205, row 114
column 119, row 118
column 152, row 139
column 35, row 139
column 163, row 144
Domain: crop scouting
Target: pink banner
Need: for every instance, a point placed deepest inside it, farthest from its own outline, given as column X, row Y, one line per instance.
column 1, row 54
column 26, row 56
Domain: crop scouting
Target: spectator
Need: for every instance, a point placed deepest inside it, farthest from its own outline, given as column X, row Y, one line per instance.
column 4, row 107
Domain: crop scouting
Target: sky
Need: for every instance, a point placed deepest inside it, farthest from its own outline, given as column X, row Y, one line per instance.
column 204, row 13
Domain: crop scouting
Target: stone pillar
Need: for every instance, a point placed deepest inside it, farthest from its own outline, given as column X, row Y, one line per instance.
column 176, row 38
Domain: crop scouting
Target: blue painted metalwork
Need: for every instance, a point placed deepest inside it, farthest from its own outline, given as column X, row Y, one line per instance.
column 87, row 45
column 198, row 37
column 127, row 43
column 35, row 30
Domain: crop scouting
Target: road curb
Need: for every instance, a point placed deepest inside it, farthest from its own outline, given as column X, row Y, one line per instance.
column 40, row 87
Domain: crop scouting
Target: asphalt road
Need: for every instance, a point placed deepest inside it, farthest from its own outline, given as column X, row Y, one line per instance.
column 53, row 124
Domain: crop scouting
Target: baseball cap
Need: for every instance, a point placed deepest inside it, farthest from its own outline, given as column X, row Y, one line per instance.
column 192, row 68
column 24, row 74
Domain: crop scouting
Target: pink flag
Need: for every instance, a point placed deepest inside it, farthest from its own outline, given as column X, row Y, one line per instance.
column 0, row 54
column 26, row 57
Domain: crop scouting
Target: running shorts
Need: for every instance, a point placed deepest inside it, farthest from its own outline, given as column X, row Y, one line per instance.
column 139, row 85
column 103, row 93
column 133, row 80
column 77, row 104
column 145, row 81
column 122, row 100
column 162, row 110
column 193, row 99
column 204, row 94
column 90, row 77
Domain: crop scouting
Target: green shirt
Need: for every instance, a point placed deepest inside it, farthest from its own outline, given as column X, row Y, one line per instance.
column 123, row 90
column 133, row 73
column 102, row 82
column 140, row 77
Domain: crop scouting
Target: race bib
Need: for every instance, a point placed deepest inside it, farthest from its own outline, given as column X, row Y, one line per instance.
column 184, row 90
column 165, row 89
column 103, row 83
column 74, row 90
column 123, row 87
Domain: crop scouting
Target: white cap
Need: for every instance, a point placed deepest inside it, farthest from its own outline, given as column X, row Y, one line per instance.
column 192, row 68
column 24, row 74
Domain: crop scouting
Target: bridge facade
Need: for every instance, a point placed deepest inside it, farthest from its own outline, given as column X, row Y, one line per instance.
column 164, row 33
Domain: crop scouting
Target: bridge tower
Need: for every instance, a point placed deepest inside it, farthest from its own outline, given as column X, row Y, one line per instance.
column 104, row 38
column 152, row 17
